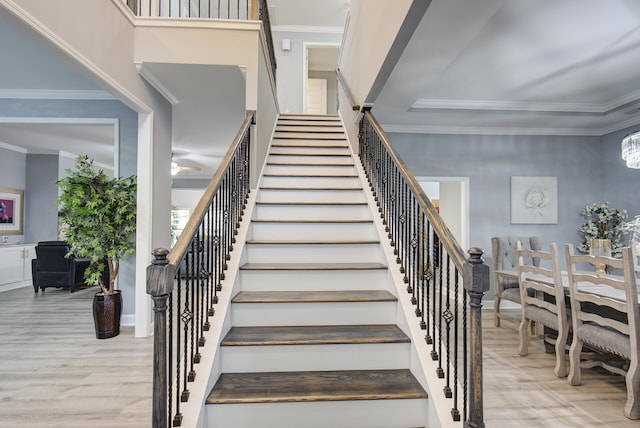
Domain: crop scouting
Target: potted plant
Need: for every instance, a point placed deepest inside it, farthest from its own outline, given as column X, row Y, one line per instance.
column 602, row 223
column 99, row 216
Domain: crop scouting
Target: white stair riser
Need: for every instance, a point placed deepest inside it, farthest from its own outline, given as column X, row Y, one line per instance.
column 309, row 181
column 322, row 414
column 310, row 150
column 368, row 356
column 312, row 231
column 310, row 253
column 321, row 170
column 309, row 135
column 282, row 127
column 311, row 212
column 312, row 313
column 311, row 160
column 308, row 143
column 307, row 195
column 287, row 280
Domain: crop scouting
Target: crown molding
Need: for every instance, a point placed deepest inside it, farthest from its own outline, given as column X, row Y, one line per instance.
column 307, row 29
column 54, row 94
column 461, row 130
column 429, row 104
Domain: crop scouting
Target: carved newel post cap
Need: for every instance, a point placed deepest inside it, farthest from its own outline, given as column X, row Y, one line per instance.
column 159, row 276
column 475, row 272
column 160, row 256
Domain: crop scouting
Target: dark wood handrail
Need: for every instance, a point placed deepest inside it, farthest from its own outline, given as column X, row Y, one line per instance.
column 185, row 282
column 182, row 244
column 448, row 241
column 434, row 268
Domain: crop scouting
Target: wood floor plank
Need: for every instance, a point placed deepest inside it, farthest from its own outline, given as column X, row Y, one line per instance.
column 315, row 386
column 314, row 335
column 54, row 373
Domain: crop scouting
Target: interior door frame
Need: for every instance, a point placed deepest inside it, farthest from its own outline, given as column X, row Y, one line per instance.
column 464, row 219
column 305, row 65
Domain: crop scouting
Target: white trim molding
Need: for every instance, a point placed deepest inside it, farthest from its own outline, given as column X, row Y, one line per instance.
column 55, row 94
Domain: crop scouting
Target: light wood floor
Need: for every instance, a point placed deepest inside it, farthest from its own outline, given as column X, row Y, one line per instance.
column 55, row 373
column 524, row 392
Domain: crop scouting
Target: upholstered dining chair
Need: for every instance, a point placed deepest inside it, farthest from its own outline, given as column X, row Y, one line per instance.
column 605, row 315
column 503, row 250
column 543, row 300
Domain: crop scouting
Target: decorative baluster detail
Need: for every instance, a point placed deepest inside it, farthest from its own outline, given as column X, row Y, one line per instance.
column 448, row 317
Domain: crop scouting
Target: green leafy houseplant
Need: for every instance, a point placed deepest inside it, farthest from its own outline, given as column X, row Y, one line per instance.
column 99, row 216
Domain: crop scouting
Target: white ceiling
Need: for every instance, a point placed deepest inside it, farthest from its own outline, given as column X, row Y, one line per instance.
column 561, row 67
column 565, row 67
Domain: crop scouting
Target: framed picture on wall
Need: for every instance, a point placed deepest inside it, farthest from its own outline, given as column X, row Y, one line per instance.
column 11, row 211
column 534, row 200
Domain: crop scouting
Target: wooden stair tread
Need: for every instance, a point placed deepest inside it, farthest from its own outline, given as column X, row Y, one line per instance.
column 312, row 221
column 303, row 116
column 319, row 296
column 312, row 242
column 310, row 164
column 311, row 188
column 314, row 335
column 313, row 266
column 314, row 203
column 306, row 146
column 311, row 136
column 290, row 175
column 296, row 122
column 335, row 385
column 310, row 128
column 344, row 155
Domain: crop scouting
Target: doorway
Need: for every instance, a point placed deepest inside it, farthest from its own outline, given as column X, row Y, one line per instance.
column 452, row 197
column 320, row 63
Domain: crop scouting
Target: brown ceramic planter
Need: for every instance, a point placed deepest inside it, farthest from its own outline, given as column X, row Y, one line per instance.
column 107, row 310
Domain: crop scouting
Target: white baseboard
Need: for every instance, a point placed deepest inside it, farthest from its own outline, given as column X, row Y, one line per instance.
column 14, row 285
column 128, row 320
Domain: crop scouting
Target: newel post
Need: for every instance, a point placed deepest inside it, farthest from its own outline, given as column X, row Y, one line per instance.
column 160, row 286
column 476, row 282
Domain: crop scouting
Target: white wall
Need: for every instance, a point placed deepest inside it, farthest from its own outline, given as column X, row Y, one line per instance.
column 290, row 74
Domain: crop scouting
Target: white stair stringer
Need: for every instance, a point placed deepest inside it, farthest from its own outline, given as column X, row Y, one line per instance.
column 315, row 228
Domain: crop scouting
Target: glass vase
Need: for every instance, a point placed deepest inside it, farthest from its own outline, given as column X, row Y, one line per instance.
column 600, row 247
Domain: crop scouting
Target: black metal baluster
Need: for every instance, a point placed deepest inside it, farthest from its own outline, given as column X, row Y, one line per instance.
column 447, row 315
column 439, row 370
column 428, row 278
column 455, row 412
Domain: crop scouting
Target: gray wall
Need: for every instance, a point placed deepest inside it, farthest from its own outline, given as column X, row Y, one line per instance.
column 12, row 175
column 291, row 66
column 587, row 170
column 41, row 211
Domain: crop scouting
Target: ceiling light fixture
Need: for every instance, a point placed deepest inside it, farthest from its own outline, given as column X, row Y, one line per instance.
column 631, row 150
column 177, row 169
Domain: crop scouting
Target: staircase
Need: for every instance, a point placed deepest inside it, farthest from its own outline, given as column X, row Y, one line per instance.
column 314, row 340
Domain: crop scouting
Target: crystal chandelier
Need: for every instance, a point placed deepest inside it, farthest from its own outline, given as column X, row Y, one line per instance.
column 631, row 150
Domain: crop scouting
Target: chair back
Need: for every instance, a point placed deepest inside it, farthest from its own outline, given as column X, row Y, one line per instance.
column 504, row 251
column 51, row 256
column 604, row 307
column 538, row 283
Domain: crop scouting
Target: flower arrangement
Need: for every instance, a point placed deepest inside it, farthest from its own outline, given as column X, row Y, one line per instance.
column 602, row 222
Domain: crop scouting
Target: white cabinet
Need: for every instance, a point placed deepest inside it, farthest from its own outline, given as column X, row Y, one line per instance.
column 15, row 263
